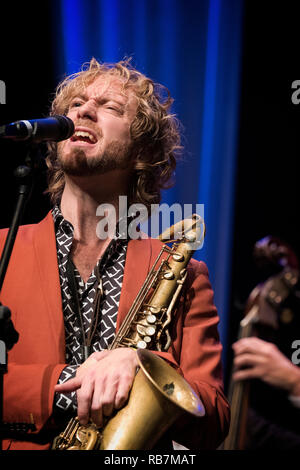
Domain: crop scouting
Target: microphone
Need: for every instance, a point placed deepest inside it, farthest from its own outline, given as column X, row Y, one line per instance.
column 55, row 128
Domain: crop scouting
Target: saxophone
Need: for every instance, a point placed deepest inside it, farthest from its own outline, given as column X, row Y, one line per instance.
column 159, row 395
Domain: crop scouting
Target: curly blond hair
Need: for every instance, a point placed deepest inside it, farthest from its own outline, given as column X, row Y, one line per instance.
column 155, row 131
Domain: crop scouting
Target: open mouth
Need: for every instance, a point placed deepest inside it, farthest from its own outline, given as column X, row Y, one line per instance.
column 83, row 136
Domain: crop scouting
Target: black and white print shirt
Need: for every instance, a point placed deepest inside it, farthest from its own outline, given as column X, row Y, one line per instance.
column 111, row 270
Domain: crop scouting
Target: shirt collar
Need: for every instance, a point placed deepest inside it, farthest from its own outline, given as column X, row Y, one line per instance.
column 61, row 223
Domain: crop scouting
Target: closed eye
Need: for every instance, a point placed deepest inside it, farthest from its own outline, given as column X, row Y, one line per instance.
column 75, row 104
column 77, row 101
column 114, row 108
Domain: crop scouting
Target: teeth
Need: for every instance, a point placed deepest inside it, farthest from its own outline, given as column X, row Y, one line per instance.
column 85, row 134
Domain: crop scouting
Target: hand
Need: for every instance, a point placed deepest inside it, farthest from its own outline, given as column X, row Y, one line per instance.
column 103, row 383
column 264, row 361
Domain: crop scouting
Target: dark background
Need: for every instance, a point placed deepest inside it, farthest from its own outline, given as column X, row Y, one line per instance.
column 267, row 179
column 27, row 68
column 266, row 198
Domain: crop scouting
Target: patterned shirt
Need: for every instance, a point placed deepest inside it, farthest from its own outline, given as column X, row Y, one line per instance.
column 111, row 270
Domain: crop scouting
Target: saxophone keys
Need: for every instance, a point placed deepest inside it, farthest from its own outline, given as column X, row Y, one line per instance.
column 169, row 275
column 178, row 257
column 141, row 330
column 150, row 331
column 154, row 309
column 151, row 319
column 141, row 344
column 183, row 274
column 146, row 330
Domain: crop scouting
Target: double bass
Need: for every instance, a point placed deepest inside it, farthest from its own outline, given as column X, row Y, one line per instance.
column 266, row 304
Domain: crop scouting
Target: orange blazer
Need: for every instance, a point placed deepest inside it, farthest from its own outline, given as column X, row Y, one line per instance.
column 32, row 292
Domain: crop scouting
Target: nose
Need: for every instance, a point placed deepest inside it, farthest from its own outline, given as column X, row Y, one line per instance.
column 88, row 111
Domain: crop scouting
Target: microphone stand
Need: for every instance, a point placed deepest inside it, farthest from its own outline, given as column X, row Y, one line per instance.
column 8, row 335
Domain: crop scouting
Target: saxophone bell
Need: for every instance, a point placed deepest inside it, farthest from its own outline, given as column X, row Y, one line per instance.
column 162, row 395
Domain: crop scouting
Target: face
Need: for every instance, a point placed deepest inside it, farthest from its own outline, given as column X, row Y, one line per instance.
column 102, row 116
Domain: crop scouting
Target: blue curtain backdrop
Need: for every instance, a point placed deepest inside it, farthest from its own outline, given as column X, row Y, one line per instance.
column 194, row 48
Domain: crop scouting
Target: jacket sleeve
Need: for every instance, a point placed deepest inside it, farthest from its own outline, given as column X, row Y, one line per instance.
column 29, row 393
column 35, row 362
column 197, row 356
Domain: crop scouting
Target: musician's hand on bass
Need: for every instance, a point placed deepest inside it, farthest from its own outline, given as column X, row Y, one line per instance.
column 103, row 383
column 255, row 358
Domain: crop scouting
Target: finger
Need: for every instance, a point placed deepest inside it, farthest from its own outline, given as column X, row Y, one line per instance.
column 250, row 345
column 247, row 360
column 122, row 394
column 251, row 373
column 108, row 403
column 244, row 342
column 84, row 399
column 69, row 386
column 97, row 414
column 103, row 402
column 108, row 396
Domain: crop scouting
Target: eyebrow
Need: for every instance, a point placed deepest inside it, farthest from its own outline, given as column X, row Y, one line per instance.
column 82, row 96
column 109, row 97
column 101, row 99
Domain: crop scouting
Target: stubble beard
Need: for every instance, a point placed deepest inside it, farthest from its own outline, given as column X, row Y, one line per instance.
column 76, row 163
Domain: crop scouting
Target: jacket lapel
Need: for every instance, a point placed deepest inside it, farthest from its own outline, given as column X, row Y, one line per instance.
column 46, row 257
column 137, row 265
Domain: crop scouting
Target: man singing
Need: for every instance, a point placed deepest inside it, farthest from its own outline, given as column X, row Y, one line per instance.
column 69, row 290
